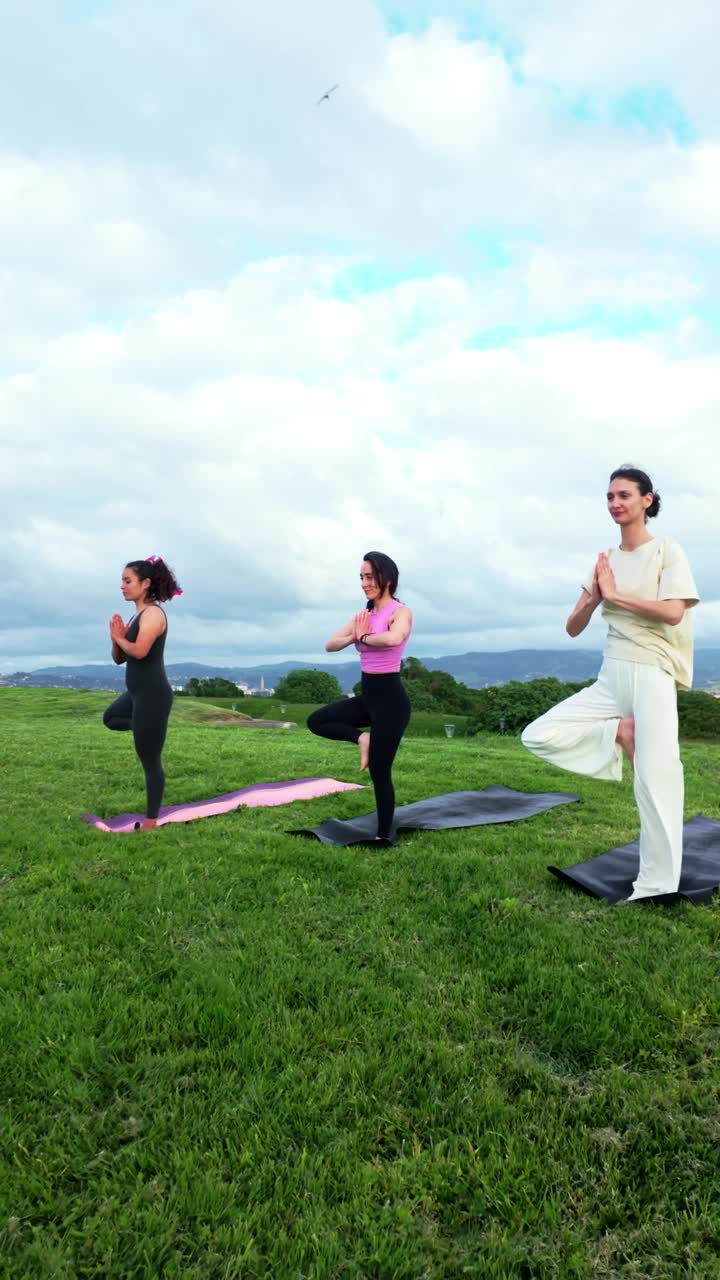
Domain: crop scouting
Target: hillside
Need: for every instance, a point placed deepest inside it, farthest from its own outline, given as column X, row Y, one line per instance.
column 474, row 669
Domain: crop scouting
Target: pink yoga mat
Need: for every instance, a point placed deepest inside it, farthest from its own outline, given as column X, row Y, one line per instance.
column 263, row 794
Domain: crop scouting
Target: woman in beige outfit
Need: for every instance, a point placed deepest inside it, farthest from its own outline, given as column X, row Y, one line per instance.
column 646, row 589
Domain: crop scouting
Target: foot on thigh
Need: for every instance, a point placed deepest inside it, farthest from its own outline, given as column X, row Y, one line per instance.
column 364, row 745
column 625, row 737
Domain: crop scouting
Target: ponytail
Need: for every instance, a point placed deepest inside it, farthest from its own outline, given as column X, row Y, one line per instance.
column 163, row 584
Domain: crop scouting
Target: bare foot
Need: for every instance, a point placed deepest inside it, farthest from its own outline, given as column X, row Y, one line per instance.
column 364, row 745
column 148, row 824
column 625, row 736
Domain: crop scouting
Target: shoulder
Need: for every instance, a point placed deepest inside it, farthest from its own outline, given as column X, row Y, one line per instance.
column 153, row 616
column 402, row 611
column 672, row 550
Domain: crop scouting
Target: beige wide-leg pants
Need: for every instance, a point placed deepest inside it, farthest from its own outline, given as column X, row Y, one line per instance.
column 579, row 735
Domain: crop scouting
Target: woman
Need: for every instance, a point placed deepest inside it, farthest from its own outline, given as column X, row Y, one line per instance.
column 645, row 588
column 379, row 633
column 145, row 707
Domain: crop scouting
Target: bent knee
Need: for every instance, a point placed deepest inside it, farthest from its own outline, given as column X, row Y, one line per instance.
column 528, row 737
column 313, row 722
column 536, row 734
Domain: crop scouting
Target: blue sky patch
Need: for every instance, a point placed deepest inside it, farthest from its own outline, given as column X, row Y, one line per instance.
column 373, row 276
column 84, row 10
column 415, row 18
column 656, row 110
column 601, row 321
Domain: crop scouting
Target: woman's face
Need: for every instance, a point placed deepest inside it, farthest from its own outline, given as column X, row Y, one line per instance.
column 132, row 587
column 368, row 581
column 625, row 501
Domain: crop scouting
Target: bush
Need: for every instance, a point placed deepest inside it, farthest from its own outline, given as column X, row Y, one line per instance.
column 433, row 690
column 508, row 708
column 421, row 697
column 699, row 715
column 436, row 690
column 308, row 685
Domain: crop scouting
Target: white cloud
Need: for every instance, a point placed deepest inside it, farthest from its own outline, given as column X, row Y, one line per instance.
column 191, row 367
column 688, row 196
column 558, row 280
column 447, row 94
column 605, row 46
column 264, row 489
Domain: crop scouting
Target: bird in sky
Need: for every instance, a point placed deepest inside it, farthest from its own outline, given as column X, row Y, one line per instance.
column 327, row 95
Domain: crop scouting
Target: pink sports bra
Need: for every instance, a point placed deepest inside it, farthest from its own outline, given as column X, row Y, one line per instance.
column 382, row 661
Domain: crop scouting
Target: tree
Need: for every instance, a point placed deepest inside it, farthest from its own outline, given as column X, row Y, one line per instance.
column 212, row 687
column 508, row 708
column 436, row 690
column 308, row 685
column 699, row 715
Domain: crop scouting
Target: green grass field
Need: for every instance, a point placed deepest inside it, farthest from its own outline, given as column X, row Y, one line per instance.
column 423, row 724
column 228, row 1052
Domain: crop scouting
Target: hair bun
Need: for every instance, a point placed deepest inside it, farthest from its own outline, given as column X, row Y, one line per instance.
column 655, row 505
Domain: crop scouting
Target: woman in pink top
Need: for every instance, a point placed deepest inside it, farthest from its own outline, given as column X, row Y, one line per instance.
column 379, row 633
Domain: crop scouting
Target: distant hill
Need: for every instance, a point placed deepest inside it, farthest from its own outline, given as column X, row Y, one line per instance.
column 474, row 669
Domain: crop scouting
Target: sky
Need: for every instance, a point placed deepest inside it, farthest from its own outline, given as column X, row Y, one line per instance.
column 260, row 336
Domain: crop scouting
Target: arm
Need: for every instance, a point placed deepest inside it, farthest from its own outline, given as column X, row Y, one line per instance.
column 581, row 614
column 341, row 639
column 396, row 634
column 584, row 609
column 668, row 611
column 117, row 628
column 117, row 654
column 152, row 625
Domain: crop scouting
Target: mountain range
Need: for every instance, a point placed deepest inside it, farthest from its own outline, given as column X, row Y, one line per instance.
column 474, row 669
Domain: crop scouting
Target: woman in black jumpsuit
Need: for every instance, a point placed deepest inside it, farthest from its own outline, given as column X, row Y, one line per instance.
column 145, row 707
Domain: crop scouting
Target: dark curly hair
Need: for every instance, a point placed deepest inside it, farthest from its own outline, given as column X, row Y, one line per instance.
column 163, row 584
column 385, row 570
column 644, row 484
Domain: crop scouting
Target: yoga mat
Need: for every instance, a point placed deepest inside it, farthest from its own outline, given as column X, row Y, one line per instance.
column 610, row 875
column 263, row 794
column 440, row 813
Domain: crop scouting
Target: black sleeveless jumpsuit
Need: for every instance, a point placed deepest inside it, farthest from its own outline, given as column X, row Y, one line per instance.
column 145, row 709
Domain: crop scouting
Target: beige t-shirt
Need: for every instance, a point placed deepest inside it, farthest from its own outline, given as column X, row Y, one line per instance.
column 657, row 570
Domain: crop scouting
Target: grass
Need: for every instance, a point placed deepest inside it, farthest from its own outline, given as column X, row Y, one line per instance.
column 228, row 1052
column 423, row 724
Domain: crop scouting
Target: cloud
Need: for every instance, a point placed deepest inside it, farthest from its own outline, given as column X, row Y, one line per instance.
column 446, row 94
column 688, row 197
column 261, row 336
column 264, row 488
column 602, row 46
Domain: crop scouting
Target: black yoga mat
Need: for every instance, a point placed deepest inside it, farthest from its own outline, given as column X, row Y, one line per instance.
column 610, row 875
column 440, row 813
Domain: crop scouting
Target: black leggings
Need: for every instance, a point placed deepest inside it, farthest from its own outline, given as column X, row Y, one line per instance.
column 384, row 708
column 148, row 719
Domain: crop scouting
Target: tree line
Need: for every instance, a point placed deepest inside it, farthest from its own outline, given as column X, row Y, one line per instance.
column 500, row 708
